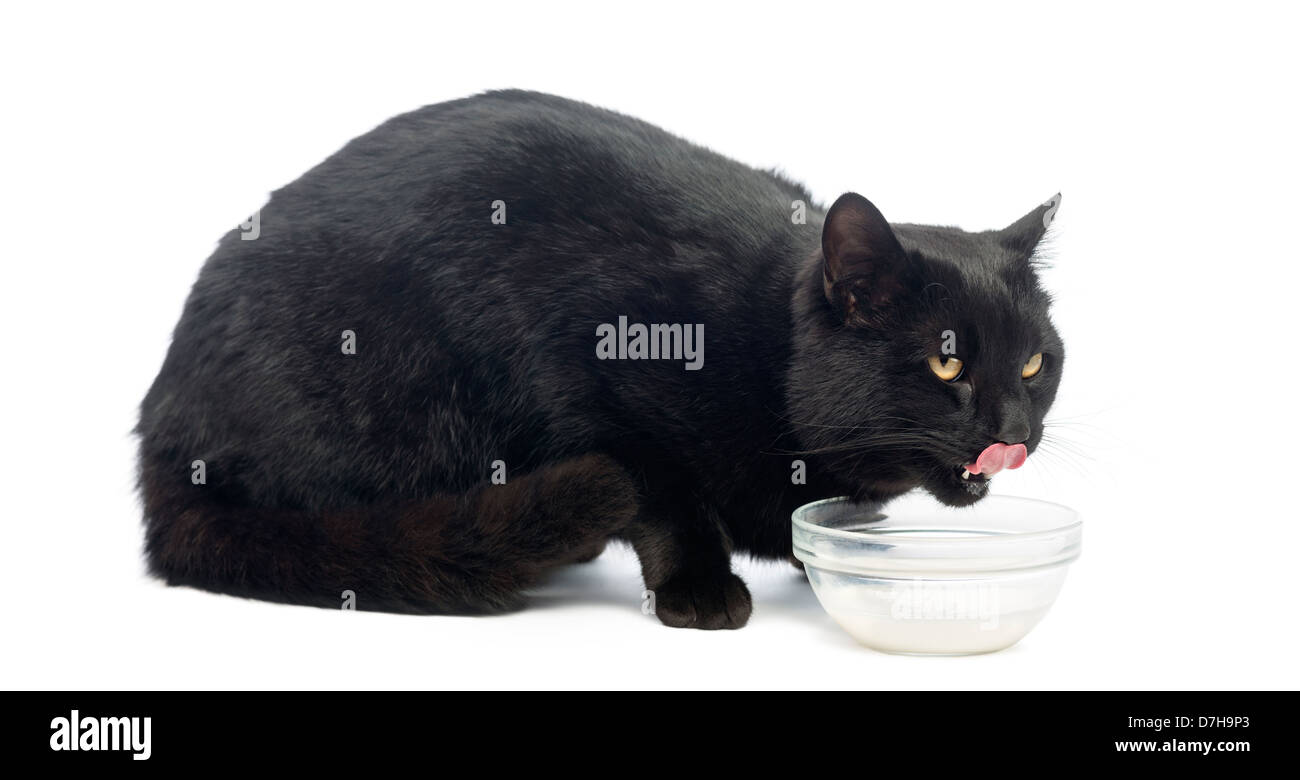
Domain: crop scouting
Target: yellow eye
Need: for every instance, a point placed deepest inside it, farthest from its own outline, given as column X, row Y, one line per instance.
column 1031, row 368
column 947, row 369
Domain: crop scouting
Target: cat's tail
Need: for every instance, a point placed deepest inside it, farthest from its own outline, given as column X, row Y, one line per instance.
column 468, row 553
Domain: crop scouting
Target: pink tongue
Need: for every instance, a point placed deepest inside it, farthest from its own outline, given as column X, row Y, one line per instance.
column 996, row 457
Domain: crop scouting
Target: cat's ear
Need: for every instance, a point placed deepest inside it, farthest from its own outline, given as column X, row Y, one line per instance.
column 864, row 268
column 1023, row 235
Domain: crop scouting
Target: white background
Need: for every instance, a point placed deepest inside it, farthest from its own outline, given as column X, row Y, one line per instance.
column 132, row 139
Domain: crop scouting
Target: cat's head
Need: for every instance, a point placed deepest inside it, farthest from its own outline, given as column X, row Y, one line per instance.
column 918, row 348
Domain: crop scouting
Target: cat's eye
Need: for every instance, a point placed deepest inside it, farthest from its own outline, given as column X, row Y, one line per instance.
column 946, row 368
column 1031, row 368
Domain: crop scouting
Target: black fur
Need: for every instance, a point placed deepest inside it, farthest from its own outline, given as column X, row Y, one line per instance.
column 476, row 342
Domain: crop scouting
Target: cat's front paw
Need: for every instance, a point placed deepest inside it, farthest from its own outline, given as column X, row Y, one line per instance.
column 703, row 602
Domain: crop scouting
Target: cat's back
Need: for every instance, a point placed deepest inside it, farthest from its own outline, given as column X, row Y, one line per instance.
column 544, row 161
column 516, row 204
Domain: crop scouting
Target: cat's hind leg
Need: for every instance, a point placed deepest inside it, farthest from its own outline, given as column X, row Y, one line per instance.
column 469, row 553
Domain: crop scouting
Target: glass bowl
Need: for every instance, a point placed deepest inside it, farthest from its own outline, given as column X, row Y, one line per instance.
column 916, row 577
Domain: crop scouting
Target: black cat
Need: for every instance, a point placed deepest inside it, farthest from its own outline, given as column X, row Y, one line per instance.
column 439, row 303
